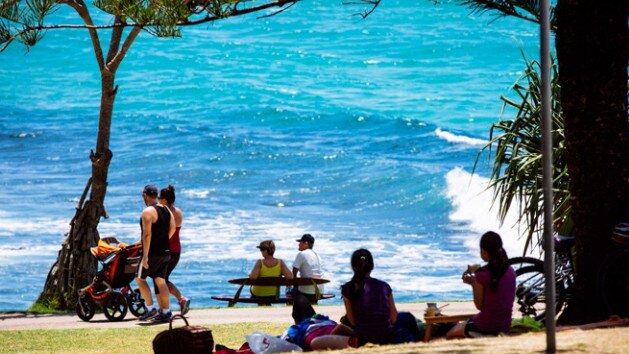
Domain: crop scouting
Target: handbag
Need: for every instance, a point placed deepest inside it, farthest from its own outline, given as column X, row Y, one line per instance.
column 186, row 339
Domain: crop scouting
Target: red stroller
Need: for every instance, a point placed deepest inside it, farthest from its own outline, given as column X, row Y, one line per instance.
column 111, row 288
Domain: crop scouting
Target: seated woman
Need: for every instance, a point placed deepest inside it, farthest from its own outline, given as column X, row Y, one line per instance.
column 494, row 291
column 268, row 266
column 370, row 310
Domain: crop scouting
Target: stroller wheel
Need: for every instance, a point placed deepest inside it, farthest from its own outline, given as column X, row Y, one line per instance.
column 115, row 306
column 85, row 308
column 136, row 303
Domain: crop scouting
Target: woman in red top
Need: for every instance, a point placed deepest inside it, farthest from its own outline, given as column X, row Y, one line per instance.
column 167, row 198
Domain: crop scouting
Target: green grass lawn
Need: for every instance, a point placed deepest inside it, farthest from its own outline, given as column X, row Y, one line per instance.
column 118, row 340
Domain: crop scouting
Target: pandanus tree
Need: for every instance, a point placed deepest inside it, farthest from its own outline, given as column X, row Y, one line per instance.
column 592, row 46
column 515, row 152
column 26, row 22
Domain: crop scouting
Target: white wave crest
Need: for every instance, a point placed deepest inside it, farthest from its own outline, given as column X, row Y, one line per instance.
column 15, row 224
column 197, row 193
column 459, row 139
column 475, row 214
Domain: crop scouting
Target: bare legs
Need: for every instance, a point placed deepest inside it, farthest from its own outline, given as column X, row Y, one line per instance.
column 163, row 298
column 145, row 291
column 458, row 331
column 302, row 308
column 174, row 291
column 330, row 341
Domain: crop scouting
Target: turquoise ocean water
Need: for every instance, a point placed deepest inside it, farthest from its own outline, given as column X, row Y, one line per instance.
column 361, row 132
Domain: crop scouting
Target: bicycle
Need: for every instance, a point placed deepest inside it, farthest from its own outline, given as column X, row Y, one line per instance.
column 614, row 277
column 531, row 282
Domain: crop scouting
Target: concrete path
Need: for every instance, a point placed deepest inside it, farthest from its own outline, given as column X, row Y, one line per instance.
column 278, row 314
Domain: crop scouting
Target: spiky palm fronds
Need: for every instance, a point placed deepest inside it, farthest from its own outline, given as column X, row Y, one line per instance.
column 517, row 162
column 528, row 10
column 22, row 20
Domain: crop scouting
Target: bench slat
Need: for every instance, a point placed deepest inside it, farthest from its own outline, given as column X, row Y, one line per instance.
column 271, row 281
column 278, row 281
column 254, row 300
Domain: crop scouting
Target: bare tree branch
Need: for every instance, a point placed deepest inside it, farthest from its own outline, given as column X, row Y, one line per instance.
column 372, row 3
column 187, row 22
column 277, row 12
column 81, row 9
column 115, row 62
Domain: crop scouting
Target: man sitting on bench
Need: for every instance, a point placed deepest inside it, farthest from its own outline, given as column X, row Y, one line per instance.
column 308, row 265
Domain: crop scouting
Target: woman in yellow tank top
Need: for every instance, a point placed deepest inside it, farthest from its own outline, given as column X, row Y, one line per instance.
column 268, row 266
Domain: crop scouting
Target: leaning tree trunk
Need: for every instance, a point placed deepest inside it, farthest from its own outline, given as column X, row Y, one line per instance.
column 76, row 266
column 592, row 40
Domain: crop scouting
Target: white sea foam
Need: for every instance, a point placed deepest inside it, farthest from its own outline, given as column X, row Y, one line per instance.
column 197, row 193
column 222, row 246
column 14, row 224
column 474, row 213
column 233, row 236
column 459, row 139
column 28, row 253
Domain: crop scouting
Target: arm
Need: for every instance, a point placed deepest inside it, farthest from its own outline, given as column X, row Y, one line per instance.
column 392, row 310
column 348, row 311
column 147, row 224
column 477, row 288
column 255, row 272
column 173, row 225
column 297, row 263
column 285, row 271
column 178, row 217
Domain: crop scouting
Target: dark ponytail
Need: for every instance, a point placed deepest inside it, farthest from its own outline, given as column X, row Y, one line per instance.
column 498, row 259
column 362, row 264
column 168, row 193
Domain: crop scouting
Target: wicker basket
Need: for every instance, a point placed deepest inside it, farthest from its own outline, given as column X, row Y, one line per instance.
column 186, row 339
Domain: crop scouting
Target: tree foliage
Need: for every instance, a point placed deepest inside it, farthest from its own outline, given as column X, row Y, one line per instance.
column 528, row 10
column 592, row 45
column 24, row 20
column 516, row 174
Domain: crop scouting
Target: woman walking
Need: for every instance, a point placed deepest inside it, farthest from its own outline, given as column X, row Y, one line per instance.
column 167, row 198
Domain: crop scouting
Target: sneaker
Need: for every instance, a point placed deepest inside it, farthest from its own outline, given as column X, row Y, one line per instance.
column 162, row 317
column 184, row 305
column 148, row 314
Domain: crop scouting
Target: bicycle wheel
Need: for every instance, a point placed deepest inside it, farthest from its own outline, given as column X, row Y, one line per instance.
column 530, row 292
column 519, row 262
column 614, row 284
column 115, row 306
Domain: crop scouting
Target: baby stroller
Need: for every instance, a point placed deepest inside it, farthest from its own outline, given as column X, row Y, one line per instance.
column 111, row 288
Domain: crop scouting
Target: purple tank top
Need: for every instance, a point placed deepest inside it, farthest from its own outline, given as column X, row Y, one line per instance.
column 495, row 315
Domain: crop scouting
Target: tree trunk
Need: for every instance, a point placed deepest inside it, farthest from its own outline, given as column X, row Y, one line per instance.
column 592, row 50
column 76, row 266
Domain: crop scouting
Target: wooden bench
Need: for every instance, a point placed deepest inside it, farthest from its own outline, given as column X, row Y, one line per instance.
column 272, row 281
column 442, row 319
